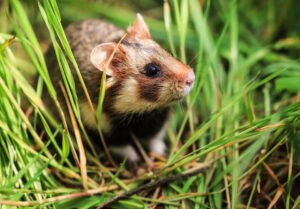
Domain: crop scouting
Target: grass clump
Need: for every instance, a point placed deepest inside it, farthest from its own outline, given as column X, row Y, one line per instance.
column 240, row 122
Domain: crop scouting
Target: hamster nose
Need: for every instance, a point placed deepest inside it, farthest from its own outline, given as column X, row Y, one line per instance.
column 190, row 77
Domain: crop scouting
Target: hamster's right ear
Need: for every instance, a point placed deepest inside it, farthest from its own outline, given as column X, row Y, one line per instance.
column 139, row 30
column 101, row 55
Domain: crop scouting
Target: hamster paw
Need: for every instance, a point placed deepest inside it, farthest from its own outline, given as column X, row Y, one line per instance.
column 158, row 146
column 125, row 152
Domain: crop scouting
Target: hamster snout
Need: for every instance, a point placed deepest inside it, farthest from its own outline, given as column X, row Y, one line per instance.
column 190, row 77
column 184, row 83
column 188, row 82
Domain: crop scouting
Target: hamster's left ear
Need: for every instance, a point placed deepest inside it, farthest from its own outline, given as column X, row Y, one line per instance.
column 101, row 54
column 139, row 30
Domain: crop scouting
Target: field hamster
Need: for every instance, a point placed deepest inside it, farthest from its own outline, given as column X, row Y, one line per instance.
column 142, row 81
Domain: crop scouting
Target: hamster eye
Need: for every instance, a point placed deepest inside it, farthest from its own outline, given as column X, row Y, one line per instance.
column 152, row 70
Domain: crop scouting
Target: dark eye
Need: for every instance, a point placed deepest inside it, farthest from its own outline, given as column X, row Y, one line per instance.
column 152, row 70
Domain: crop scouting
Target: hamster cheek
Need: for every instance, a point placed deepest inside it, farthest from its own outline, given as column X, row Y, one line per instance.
column 89, row 118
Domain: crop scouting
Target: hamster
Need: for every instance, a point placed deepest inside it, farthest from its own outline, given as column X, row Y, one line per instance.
column 143, row 80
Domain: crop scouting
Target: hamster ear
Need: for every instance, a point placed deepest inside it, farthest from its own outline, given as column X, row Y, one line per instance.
column 100, row 55
column 139, row 29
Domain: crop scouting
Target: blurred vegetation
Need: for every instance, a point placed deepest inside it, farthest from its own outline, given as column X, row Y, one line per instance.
column 242, row 115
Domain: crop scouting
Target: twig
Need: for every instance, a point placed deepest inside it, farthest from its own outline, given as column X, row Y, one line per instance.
column 101, row 100
column 59, row 198
column 155, row 195
column 141, row 150
column 157, row 183
column 7, row 43
column 82, row 162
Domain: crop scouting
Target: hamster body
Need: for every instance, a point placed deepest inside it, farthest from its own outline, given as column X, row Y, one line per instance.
column 142, row 81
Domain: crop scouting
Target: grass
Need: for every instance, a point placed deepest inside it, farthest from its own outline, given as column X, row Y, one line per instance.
column 242, row 115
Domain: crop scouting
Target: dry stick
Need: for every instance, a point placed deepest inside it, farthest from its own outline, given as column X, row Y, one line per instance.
column 7, row 43
column 59, row 198
column 157, row 183
column 67, row 130
column 103, row 83
column 82, row 158
column 271, row 173
column 141, row 150
column 155, row 196
column 278, row 194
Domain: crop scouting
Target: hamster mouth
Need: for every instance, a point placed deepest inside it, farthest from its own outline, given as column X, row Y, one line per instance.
column 174, row 94
column 177, row 98
column 182, row 92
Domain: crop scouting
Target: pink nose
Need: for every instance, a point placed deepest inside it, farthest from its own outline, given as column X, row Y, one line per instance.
column 189, row 79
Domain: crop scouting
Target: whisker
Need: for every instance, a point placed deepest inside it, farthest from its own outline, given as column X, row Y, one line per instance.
column 195, row 57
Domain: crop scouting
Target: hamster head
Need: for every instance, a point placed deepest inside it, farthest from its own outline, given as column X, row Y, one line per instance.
column 141, row 75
